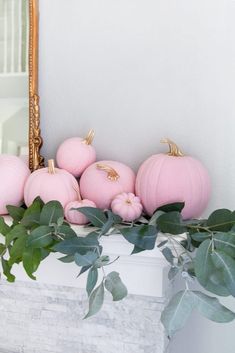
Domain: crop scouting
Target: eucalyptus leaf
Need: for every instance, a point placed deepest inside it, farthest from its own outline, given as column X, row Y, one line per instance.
column 2, row 249
column 115, row 286
column 44, row 253
column 4, row 228
column 66, row 232
column 16, row 251
column 164, row 242
column 79, row 245
column 167, row 253
column 136, row 250
column 16, row 213
column 203, row 262
column 89, row 258
column 31, row 260
column 15, row 233
column 102, row 261
column 51, row 213
column 67, row 259
column 171, row 223
column 173, row 272
column 154, row 218
column 40, row 237
column 32, row 214
column 200, row 236
column 221, row 220
column 171, row 207
column 206, row 272
column 212, row 309
column 225, row 242
column 91, row 280
column 95, row 215
column 111, row 220
column 83, row 270
column 7, row 270
column 142, row 236
column 96, row 300
column 177, row 312
column 226, row 264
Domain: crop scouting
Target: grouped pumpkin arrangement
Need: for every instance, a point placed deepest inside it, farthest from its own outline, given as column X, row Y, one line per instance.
column 165, row 197
column 81, row 181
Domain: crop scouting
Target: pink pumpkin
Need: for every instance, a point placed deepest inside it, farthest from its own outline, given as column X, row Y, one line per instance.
column 51, row 184
column 127, row 206
column 13, row 175
column 74, row 216
column 76, row 154
column 173, row 177
column 102, row 181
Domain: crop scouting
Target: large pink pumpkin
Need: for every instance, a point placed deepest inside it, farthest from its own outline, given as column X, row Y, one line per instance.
column 102, row 181
column 173, row 177
column 13, row 175
column 51, row 184
column 76, row 154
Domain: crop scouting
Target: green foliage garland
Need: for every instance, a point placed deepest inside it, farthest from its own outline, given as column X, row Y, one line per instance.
column 198, row 250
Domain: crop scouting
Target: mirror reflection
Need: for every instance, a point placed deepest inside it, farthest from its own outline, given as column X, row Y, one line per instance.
column 14, row 105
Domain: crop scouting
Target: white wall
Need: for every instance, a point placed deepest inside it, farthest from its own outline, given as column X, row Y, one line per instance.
column 137, row 71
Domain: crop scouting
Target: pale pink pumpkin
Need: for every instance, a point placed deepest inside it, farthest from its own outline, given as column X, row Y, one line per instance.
column 74, row 216
column 51, row 184
column 13, row 175
column 173, row 177
column 102, row 181
column 76, row 154
column 127, row 206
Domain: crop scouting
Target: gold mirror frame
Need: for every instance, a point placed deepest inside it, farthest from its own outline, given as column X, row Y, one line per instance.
column 36, row 161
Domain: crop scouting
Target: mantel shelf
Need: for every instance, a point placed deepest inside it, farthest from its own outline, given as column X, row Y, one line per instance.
column 144, row 273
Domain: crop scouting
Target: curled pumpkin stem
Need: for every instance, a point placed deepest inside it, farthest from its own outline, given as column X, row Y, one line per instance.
column 174, row 149
column 111, row 172
column 89, row 138
column 51, row 166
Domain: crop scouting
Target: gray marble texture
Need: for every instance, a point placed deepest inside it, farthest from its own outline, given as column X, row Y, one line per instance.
column 39, row 318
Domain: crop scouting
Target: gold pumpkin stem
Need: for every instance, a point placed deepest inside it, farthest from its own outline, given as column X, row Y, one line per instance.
column 90, row 137
column 51, row 166
column 174, row 149
column 111, row 173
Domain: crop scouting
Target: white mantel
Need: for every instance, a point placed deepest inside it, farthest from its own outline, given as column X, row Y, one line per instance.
column 144, row 273
column 45, row 316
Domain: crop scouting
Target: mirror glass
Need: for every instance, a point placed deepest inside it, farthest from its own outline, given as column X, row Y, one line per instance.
column 14, row 103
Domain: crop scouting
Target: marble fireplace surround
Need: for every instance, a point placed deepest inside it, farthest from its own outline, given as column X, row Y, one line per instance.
column 46, row 316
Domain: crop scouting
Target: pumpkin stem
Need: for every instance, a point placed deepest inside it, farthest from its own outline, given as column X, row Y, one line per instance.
column 89, row 138
column 111, row 173
column 51, row 166
column 174, row 149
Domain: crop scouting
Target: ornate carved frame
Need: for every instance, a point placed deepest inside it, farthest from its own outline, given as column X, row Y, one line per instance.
column 35, row 140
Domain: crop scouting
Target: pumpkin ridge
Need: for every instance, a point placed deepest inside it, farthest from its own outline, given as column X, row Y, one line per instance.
column 155, row 191
column 190, row 200
column 204, row 201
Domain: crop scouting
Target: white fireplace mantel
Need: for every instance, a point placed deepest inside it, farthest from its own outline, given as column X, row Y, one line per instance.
column 144, row 273
column 57, row 301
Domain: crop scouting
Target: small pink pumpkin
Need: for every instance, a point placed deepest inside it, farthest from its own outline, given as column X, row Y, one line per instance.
column 13, row 175
column 51, row 184
column 74, row 216
column 102, row 181
column 173, row 177
column 127, row 206
column 76, row 154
